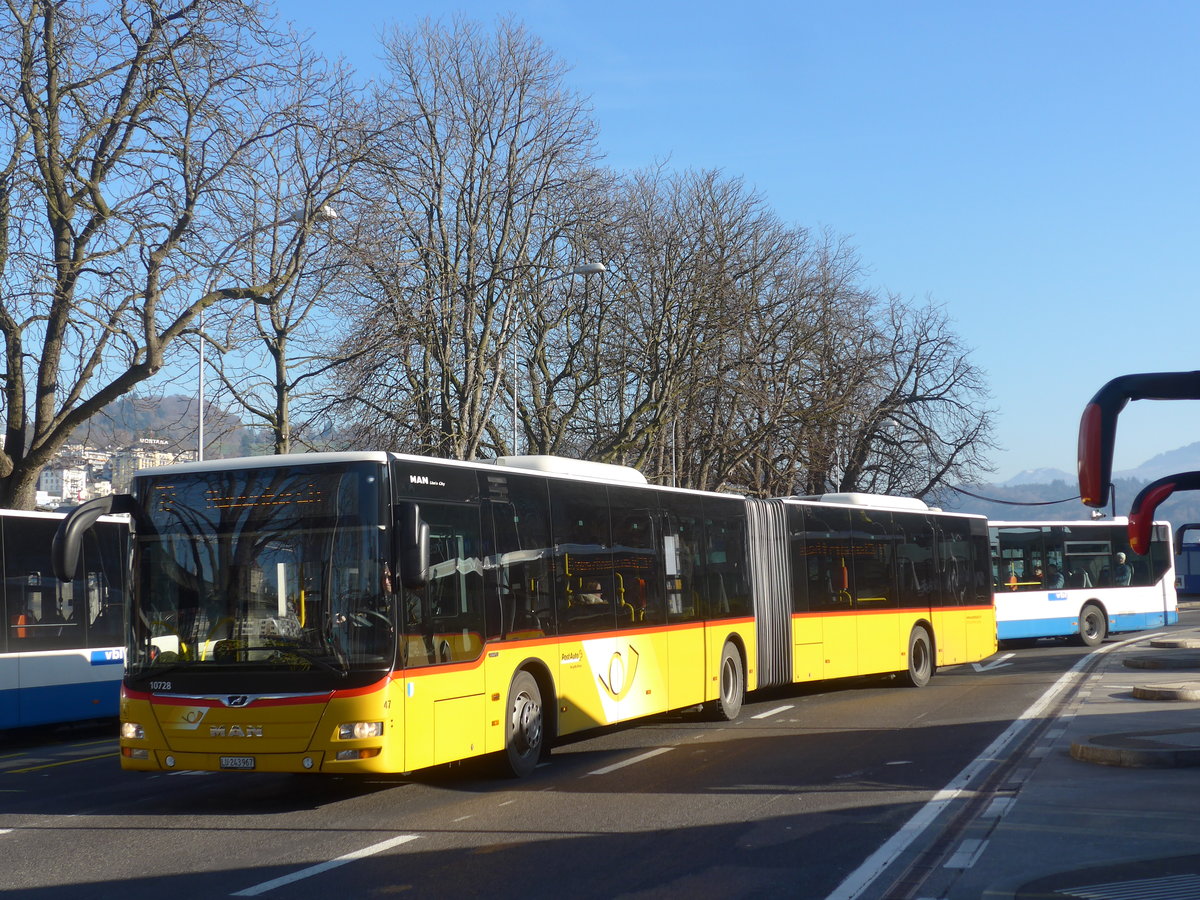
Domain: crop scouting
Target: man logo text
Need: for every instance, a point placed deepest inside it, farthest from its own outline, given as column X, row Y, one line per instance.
column 235, row 731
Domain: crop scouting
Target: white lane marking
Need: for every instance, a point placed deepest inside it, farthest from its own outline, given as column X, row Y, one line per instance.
column 967, row 853
column 325, row 866
column 633, row 759
column 772, row 712
column 878, row 862
column 994, row 664
column 998, row 808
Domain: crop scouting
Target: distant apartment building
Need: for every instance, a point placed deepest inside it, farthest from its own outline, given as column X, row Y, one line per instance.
column 144, row 454
column 81, row 473
column 63, row 484
column 83, row 455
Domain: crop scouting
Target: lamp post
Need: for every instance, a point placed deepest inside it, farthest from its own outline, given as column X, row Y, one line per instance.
column 323, row 213
column 585, row 269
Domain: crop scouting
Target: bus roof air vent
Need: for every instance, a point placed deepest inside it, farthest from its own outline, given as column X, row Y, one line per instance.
column 560, row 465
column 881, row 501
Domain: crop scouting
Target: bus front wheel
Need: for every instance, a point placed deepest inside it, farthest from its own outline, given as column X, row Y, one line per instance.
column 1093, row 628
column 731, row 689
column 920, row 658
column 524, row 726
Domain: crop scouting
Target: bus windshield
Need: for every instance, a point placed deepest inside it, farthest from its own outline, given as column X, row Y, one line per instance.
column 274, row 568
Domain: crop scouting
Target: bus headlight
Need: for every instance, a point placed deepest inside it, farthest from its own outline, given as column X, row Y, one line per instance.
column 359, row 730
column 132, row 731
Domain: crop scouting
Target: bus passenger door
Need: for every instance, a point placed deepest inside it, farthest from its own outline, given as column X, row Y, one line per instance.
column 442, row 642
column 947, row 600
column 641, row 647
column 829, row 568
column 881, row 646
column 682, row 556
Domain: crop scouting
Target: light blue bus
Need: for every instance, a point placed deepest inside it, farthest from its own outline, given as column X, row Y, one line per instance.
column 1079, row 579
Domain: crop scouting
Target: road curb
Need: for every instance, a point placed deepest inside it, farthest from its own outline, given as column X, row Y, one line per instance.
column 1164, row 661
column 1176, row 643
column 1171, row 690
column 1142, row 750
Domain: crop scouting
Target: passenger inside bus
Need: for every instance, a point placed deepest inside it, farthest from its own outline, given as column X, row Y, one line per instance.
column 1054, row 579
column 590, row 595
column 1122, row 574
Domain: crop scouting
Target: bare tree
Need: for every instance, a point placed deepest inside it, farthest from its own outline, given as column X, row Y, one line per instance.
column 705, row 280
column 735, row 351
column 484, row 139
column 278, row 348
column 666, row 306
column 922, row 422
column 746, row 428
column 133, row 129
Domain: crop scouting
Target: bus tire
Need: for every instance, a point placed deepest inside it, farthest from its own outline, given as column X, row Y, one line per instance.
column 920, row 658
column 731, row 686
column 1093, row 627
column 524, row 726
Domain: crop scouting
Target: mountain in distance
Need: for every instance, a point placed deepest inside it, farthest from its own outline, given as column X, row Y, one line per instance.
column 170, row 418
column 1182, row 459
column 1047, row 494
column 1038, row 476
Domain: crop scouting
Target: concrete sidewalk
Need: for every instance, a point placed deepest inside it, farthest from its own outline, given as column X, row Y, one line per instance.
column 1109, row 803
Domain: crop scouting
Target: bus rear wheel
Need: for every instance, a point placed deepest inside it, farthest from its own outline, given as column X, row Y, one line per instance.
column 524, row 726
column 920, row 658
column 1093, row 627
column 732, row 686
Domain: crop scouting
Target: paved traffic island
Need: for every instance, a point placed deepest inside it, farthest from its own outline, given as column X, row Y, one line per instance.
column 1170, row 748
column 1176, row 643
column 1173, row 690
column 1166, row 748
column 1170, row 661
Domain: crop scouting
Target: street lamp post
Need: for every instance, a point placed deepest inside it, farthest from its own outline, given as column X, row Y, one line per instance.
column 585, row 269
column 323, row 213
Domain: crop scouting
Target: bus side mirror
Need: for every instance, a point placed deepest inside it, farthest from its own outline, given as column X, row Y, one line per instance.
column 1098, row 425
column 65, row 556
column 1149, row 498
column 412, row 545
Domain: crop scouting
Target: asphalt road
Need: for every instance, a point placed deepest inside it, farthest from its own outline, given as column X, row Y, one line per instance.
column 789, row 800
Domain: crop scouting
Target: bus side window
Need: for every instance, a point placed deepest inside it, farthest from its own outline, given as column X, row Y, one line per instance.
column 829, row 558
column 873, row 542
column 579, row 522
column 728, row 586
column 637, row 569
column 521, row 580
column 683, row 553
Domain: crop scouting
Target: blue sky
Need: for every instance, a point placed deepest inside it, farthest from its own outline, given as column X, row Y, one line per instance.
column 1030, row 165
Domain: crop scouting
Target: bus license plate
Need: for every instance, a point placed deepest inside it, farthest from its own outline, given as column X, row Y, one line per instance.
column 237, row 762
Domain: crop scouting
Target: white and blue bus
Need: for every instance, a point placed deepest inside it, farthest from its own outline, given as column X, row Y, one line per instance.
column 62, row 648
column 1064, row 579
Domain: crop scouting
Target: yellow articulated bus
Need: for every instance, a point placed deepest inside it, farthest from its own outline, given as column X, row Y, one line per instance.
column 377, row 612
